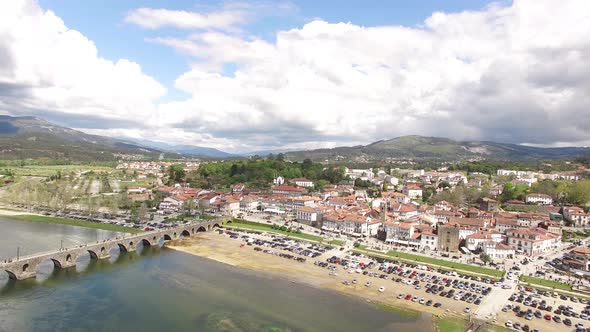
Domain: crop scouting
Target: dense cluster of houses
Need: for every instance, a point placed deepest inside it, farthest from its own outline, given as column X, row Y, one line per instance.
column 397, row 217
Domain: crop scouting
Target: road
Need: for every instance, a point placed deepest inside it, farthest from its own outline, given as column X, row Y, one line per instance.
column 494, row 303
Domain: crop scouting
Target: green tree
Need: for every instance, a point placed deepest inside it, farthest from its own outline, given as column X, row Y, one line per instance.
column 176, row 173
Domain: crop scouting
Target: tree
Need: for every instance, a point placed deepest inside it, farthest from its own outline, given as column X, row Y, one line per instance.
column 444, row 185
column 385, row 186
column 176, row 173
column 485, row 258
column 188, row 206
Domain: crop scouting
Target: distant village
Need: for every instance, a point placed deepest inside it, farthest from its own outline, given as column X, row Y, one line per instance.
column 398, row 217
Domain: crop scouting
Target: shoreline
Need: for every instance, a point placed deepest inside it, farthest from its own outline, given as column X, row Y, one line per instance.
column 227, row 251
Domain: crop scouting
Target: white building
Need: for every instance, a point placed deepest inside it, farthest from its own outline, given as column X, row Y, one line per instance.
column 302, row 182
column 307, row 215
column 533, row 242
column 497, row 250
column 576, row 216
column 428, row 241
column 541, row 199
column 412, row 192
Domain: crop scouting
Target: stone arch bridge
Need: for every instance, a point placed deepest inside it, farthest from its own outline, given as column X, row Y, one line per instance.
column 25, row 267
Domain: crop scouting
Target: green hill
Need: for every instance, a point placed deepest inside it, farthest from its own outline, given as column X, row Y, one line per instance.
column 436, row 148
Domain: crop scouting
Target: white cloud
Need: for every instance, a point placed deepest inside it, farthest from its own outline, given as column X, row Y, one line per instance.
column 516, row 73
column 156, row 18
column 513, row 73
column 57, row 70
column 228, row 17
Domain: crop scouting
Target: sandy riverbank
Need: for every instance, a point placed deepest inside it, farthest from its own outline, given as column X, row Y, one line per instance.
column 8, row 213
column 228, row 251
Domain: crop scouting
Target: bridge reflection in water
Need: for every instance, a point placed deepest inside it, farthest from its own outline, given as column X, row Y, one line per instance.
column 26, row 267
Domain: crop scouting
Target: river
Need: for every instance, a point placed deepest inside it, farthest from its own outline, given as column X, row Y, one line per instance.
column 159, row 289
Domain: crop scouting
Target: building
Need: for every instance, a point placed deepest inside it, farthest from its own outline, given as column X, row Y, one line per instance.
column 580, row 258
column 302, row 182
column 288, row 190
column 448, row 237
column 533, row 241
column 505, row 224
column 173, row 203
column 497, row 250
column 444, row 216
column 136, row 190
column 412, row 191
column 238, row 188
column 308, row 215
column 249, row 204
column 576, row 216
column 397, row 197
column 489, row 205
column 540, row 199
column 475, row 241
column 428, row 240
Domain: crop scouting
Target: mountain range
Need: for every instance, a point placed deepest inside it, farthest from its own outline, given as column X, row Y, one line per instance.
column 32, row 137
column 436, row 148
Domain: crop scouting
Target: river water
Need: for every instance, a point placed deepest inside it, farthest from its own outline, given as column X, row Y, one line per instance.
column 159, row 289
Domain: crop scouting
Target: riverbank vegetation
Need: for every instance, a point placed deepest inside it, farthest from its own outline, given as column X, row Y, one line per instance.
column 450, row 324
column 404, row 311
column 79, row 223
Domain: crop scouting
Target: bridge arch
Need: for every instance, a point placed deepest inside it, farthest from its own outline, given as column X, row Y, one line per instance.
column 146, row 242
column 68, row 258
column 185, row 233
column 209, row 227
column 175, row 235
column 11, row 275
column 216, row 226
column 92, row 254
column 193, row 230
column 201, row 229
column 167, row 237
column 25, row 268
column 56, row 263
column 122, row 247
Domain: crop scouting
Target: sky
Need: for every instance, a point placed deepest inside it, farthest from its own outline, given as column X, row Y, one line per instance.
column 256, row 75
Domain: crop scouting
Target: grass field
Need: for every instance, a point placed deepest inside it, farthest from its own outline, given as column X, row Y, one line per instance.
column 52, row 170
column 236, row 223
column 546, row 283
column 398, row 310
column 449, row 264
column 472, row 270
column 74, row 222
column 336, row 242
column 449, row 324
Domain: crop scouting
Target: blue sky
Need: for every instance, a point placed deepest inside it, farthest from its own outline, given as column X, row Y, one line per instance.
column 103, row 22
column 247, row 75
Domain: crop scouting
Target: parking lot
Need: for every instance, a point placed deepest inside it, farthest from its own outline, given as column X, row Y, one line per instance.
column 529, row 308
column 410, row 285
